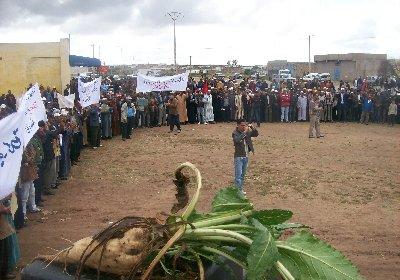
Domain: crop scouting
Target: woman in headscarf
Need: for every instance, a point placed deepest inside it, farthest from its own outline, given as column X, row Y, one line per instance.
column 9, row 248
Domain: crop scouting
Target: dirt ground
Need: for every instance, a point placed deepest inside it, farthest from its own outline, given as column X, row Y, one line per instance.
column 346, row 186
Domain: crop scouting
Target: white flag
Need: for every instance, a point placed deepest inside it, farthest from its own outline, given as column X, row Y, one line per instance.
column 165, row 83
column 89, row 93
column 11, row 148
column 33, row 108
column 66, row 101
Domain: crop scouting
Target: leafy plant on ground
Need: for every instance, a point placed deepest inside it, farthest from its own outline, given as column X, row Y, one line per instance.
column 233, row 230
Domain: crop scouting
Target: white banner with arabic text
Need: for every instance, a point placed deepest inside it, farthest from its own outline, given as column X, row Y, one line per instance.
column 33, row 108
column 11, row 148
column 165, row 83
column 66, row 101
column 89, row 93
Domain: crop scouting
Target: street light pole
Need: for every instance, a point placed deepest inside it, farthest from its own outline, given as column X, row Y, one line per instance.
column 174, row 46
column 92, row 50
column 174, row 16
column 309, row 53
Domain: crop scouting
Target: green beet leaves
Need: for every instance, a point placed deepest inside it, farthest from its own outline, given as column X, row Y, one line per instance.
column 307, row 257
column 230, row 199
column 272, row 217
column 263, row 253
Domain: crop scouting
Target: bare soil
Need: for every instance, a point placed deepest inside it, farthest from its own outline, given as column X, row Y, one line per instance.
column 346, row 186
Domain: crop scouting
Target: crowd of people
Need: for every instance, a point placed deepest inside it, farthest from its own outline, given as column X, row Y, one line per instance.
column 57, row 145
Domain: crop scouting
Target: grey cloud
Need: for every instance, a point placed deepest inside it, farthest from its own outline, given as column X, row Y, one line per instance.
column 153, row 12
column 56, row 11
column 99, row 16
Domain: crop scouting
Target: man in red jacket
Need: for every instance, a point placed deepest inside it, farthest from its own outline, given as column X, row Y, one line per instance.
column 284, row 99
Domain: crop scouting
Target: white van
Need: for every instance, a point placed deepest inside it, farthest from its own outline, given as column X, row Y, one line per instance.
column 311, row 76
column 325, row 77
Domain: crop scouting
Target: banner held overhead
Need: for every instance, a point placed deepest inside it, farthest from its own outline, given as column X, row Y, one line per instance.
column 89, row 93
column 165, row 83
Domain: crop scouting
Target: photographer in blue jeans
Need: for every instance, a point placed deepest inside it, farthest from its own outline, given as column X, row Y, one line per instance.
column 243, row 146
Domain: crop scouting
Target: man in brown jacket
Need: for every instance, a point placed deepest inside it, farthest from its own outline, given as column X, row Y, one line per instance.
column 173, row 115
column 28, row 174
column 314, row 110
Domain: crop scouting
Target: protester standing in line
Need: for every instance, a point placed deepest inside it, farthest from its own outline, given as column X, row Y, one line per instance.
column 225, row 107
column 293, row 106
column 243, row 146
column 392, row 112
column 105, row 110
column 173, row 114
column 50, row 168
column 94, row 123
column 124, row 120
column 142, row 103
column 37, row 142
column 328, row 106
column 162, row 116
column 191, row 106
column 28, row 174
column 256, row 107
column 367, row 107
column 199, row 99
column 238, row 106
column 131, row 112
column 182, row 110
column 314, row 109
column 284, row 99
column 9, row 247
column 302, row 107
column 208, row 107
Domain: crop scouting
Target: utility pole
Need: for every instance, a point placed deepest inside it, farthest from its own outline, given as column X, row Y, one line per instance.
column 174, row 16
column 99, row 51
column 190, row 63
column 92, row 50
column 309, row 53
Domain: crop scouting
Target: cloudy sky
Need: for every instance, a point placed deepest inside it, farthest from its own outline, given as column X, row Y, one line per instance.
column 211, row 31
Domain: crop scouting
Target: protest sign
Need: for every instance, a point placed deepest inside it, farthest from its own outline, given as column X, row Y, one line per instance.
column 89, row 93
column 165, row 83
column 66, row 101
column 11, row 148
column 34, row 111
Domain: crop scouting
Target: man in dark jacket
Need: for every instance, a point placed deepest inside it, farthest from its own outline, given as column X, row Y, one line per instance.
column 94, row 123
column 243, row 146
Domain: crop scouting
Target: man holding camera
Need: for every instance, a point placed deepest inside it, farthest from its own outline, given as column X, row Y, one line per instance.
column 243, row 146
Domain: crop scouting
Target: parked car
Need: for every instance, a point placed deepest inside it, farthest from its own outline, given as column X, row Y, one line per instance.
column 311, row 77
column 325, row 77
column 219, row 75
column 371, row 79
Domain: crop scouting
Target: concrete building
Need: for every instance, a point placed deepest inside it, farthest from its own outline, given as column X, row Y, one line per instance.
column 350, row 66
column 25, row 63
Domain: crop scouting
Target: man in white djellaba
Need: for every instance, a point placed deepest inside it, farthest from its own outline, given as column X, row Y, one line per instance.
column 208, row 108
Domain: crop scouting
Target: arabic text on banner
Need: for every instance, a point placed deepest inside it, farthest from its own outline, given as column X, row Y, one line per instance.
column 165, row 83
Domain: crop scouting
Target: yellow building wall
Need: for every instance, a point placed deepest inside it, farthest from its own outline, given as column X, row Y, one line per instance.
column 25, row 63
